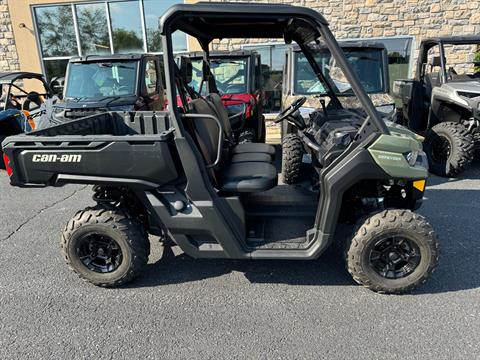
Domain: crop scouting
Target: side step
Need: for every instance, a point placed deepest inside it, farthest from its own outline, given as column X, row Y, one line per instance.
column 278, row 233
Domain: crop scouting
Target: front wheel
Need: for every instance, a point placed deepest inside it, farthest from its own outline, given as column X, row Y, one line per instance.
column 393, row 252
column 292, row 155
column 105, row 246
column 450, row 149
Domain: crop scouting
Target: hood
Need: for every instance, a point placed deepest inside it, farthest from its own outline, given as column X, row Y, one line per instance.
column 472, row 86
column 96, row 103
column 402, row 131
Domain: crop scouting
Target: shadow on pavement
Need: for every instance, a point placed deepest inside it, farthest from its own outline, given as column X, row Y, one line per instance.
column 171, row 269
column 472, row 173
column 454, row 215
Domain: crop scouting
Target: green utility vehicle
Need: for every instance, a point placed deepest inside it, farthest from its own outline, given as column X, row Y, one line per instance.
column 176, row 174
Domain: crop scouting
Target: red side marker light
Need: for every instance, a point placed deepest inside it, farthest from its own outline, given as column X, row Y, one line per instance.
column 6, row 160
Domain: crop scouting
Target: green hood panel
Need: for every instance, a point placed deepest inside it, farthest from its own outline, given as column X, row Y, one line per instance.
column 399, row 130
column 389, row 152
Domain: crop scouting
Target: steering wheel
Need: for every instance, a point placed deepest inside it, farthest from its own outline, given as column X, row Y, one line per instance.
column 289, row 111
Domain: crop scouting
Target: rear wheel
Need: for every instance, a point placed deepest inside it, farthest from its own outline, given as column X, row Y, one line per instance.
column 292, row 155
column 393, row 251
column 105, row 246
column 450, row 149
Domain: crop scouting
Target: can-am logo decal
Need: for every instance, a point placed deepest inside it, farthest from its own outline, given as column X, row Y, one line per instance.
column 51, row 158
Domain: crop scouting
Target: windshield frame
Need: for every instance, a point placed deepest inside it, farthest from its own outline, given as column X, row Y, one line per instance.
column 137, row 78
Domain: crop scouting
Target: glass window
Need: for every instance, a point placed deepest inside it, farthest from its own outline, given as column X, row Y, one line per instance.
column 56, row 31
column 230, row 75
column 153, row 10
column 366, row 63
column 93, row 80
column 272, row 59
column 126, row 26
column 197, row 76
column 55, row 68
column 151, row 77
column 399, row 52
column 93, row 28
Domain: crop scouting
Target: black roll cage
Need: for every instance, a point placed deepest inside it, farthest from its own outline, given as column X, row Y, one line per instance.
column 232, row 21
column 9, row 79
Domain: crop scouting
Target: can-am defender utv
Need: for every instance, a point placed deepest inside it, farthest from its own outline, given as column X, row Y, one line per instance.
column 176, row 175
column 442, row 102
column 238, row 79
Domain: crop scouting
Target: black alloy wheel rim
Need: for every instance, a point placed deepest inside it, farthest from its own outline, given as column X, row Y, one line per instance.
column 394, row 257
column 99, row 253
column 441, row 149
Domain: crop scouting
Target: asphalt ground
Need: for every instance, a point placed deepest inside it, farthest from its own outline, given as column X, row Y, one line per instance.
column 184, row 308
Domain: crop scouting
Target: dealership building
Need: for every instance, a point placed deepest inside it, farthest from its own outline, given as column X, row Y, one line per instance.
column 41, row 35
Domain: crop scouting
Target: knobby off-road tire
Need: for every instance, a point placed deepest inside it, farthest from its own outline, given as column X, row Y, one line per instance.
column 406, row 229
column 458, row 143
column 95, row 228
column 292, row 154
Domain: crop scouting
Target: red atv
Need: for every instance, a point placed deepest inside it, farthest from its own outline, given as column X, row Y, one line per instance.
column 238, row 78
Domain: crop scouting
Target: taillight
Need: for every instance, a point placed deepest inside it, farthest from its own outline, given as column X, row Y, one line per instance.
column 6, row 160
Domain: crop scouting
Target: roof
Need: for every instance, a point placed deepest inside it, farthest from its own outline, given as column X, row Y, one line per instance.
column 454, row 40
column 213, row 20
column 8, row 77
column 108, row 57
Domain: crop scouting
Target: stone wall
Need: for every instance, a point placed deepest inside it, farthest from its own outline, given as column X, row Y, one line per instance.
column 378, row 18
column 8, row 50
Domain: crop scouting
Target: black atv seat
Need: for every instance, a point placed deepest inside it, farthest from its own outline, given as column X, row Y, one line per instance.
column 244, row 172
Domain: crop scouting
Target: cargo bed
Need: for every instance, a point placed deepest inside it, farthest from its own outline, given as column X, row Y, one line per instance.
column 133, row 149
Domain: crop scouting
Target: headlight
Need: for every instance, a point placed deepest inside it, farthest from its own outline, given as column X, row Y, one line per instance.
column 58, row 110
column 417, row 158
column 468, row 95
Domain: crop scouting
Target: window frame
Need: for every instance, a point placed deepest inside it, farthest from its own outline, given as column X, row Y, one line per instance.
column 79, row 52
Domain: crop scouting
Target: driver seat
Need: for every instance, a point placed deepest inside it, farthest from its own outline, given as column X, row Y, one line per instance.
column 230, row 176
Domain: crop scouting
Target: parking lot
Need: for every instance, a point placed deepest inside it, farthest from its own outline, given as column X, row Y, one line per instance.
column 186, row 308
